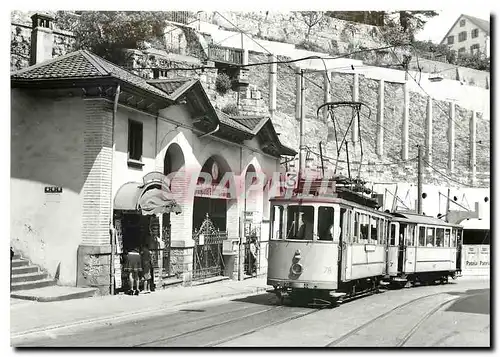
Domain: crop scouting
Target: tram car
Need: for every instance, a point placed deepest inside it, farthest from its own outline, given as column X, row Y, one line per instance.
column 332, row 243
column 422, row 249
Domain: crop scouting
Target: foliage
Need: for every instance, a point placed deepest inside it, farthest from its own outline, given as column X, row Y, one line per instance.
column 107, row 33
column 222, row 83
column 375, row 18
column 436, row 51
column 475, row 61
column 310, row 46
column 311, row 19
column 230, row 109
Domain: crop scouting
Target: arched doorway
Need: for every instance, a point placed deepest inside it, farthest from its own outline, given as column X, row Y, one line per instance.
column 212, row 193
column 173, row 163
column 210, row 217
column 252, row 222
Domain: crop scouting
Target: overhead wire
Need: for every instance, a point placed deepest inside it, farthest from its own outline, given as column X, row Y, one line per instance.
column 288, row 62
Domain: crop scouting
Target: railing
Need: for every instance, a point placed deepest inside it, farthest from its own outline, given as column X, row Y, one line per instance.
column 181, row 17
column 225, row 54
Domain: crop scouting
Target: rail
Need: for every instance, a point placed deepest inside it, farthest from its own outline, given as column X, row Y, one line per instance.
column 224, row 54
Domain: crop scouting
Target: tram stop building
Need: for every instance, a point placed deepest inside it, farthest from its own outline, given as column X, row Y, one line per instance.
column 102, row 158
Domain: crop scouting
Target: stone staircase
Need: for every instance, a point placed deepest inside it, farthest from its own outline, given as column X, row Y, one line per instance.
column 27, row 276
column 29, row 282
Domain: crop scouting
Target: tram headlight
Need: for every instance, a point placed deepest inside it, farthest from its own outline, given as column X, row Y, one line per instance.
column 297, row 268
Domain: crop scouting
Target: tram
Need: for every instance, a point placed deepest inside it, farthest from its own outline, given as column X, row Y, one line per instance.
column 422, row 249
column 333, row 245
column 326, row 245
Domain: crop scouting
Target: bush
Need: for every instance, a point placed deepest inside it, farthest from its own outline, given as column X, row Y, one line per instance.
column 230, row 109
column 310, row 46
column 222, row 83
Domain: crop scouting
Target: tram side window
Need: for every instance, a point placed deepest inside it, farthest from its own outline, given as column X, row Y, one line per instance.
column 364, row 226
column 277, row 222
column 300, row 222
column 374, row 227
column 381, row 231
column 326, row 223
column 410, row 237
column 447, row 238
column 345, row 224
column 453, row 242
column 356, row 228
column 393, row 235
column 439, row 237
column 429, row 238
column 421, row 237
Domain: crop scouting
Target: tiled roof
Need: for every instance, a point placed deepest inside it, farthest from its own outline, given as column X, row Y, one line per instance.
column 83, row 64
column 172, row 86
column 482, row 24
column 227, row 120
column 251, row 123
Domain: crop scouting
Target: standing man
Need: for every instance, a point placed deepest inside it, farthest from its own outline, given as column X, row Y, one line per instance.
column 307, row 228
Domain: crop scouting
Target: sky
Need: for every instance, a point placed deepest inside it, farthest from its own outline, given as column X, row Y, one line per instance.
column 437, row 27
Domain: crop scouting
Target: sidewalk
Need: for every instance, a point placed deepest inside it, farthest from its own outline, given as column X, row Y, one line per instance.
column 29, row 316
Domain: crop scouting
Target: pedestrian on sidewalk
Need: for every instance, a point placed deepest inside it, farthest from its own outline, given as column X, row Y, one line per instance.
column 133, row 267
column 146, row 268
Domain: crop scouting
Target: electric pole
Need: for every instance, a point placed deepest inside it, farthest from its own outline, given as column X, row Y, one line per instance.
column 419, row 180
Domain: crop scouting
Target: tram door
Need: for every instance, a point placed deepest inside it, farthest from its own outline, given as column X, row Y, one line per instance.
column 345, row 248
column 410, row 250
column 401, row 246
column 393, row 249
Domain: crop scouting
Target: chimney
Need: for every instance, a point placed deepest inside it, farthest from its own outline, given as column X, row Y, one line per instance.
column 42, row 38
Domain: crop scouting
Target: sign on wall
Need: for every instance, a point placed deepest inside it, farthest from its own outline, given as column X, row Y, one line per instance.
column 476, row 256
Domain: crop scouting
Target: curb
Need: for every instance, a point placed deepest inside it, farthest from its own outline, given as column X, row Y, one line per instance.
column 78, row 295
column 139, row 312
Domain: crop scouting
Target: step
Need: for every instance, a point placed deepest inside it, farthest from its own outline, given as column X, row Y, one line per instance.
column 26, row 285
column 16, row 256
column 54, row 293
column 24, row 270
column 19, row 262
column 28, row 277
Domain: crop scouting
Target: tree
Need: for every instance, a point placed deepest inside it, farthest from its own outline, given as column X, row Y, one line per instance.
column 410, row 22
column 311, row 19
column 107, row 33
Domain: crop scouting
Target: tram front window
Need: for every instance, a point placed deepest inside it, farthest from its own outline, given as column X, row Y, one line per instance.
column 300, row 222
column 326, row 223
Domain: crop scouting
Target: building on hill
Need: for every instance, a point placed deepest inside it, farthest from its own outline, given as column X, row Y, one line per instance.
column 469, row 34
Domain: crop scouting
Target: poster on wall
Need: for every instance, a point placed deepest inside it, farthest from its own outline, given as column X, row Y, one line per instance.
column 476, row 256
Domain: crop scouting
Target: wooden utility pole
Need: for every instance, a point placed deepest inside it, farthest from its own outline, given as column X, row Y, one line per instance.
column 419, row 180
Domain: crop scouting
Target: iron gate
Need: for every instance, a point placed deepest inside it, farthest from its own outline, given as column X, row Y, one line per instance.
column 207, row 253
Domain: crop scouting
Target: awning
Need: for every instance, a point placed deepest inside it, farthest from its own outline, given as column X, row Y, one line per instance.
column 157, row 201
column 148, row 199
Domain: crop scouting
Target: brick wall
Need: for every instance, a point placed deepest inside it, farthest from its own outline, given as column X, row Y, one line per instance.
column 97, row 170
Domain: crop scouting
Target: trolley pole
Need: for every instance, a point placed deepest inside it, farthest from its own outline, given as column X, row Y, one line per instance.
column 419, row 180
column 301, row 126
column 447, row 205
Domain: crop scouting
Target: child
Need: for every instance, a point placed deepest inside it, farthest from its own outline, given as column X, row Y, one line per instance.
column 146, row 269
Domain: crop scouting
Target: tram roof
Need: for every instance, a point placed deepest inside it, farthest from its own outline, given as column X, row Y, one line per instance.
column 331, row 199
column 412, row 217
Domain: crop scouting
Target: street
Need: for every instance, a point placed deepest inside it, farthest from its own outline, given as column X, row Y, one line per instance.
column 452, row 315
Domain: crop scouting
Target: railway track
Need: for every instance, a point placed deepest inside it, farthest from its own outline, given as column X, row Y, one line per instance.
column 403, row 338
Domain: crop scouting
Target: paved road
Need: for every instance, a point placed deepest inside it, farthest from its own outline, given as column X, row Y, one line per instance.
column 455, row 314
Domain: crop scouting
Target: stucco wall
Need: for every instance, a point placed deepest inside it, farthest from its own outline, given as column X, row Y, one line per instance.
column 47, row 146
